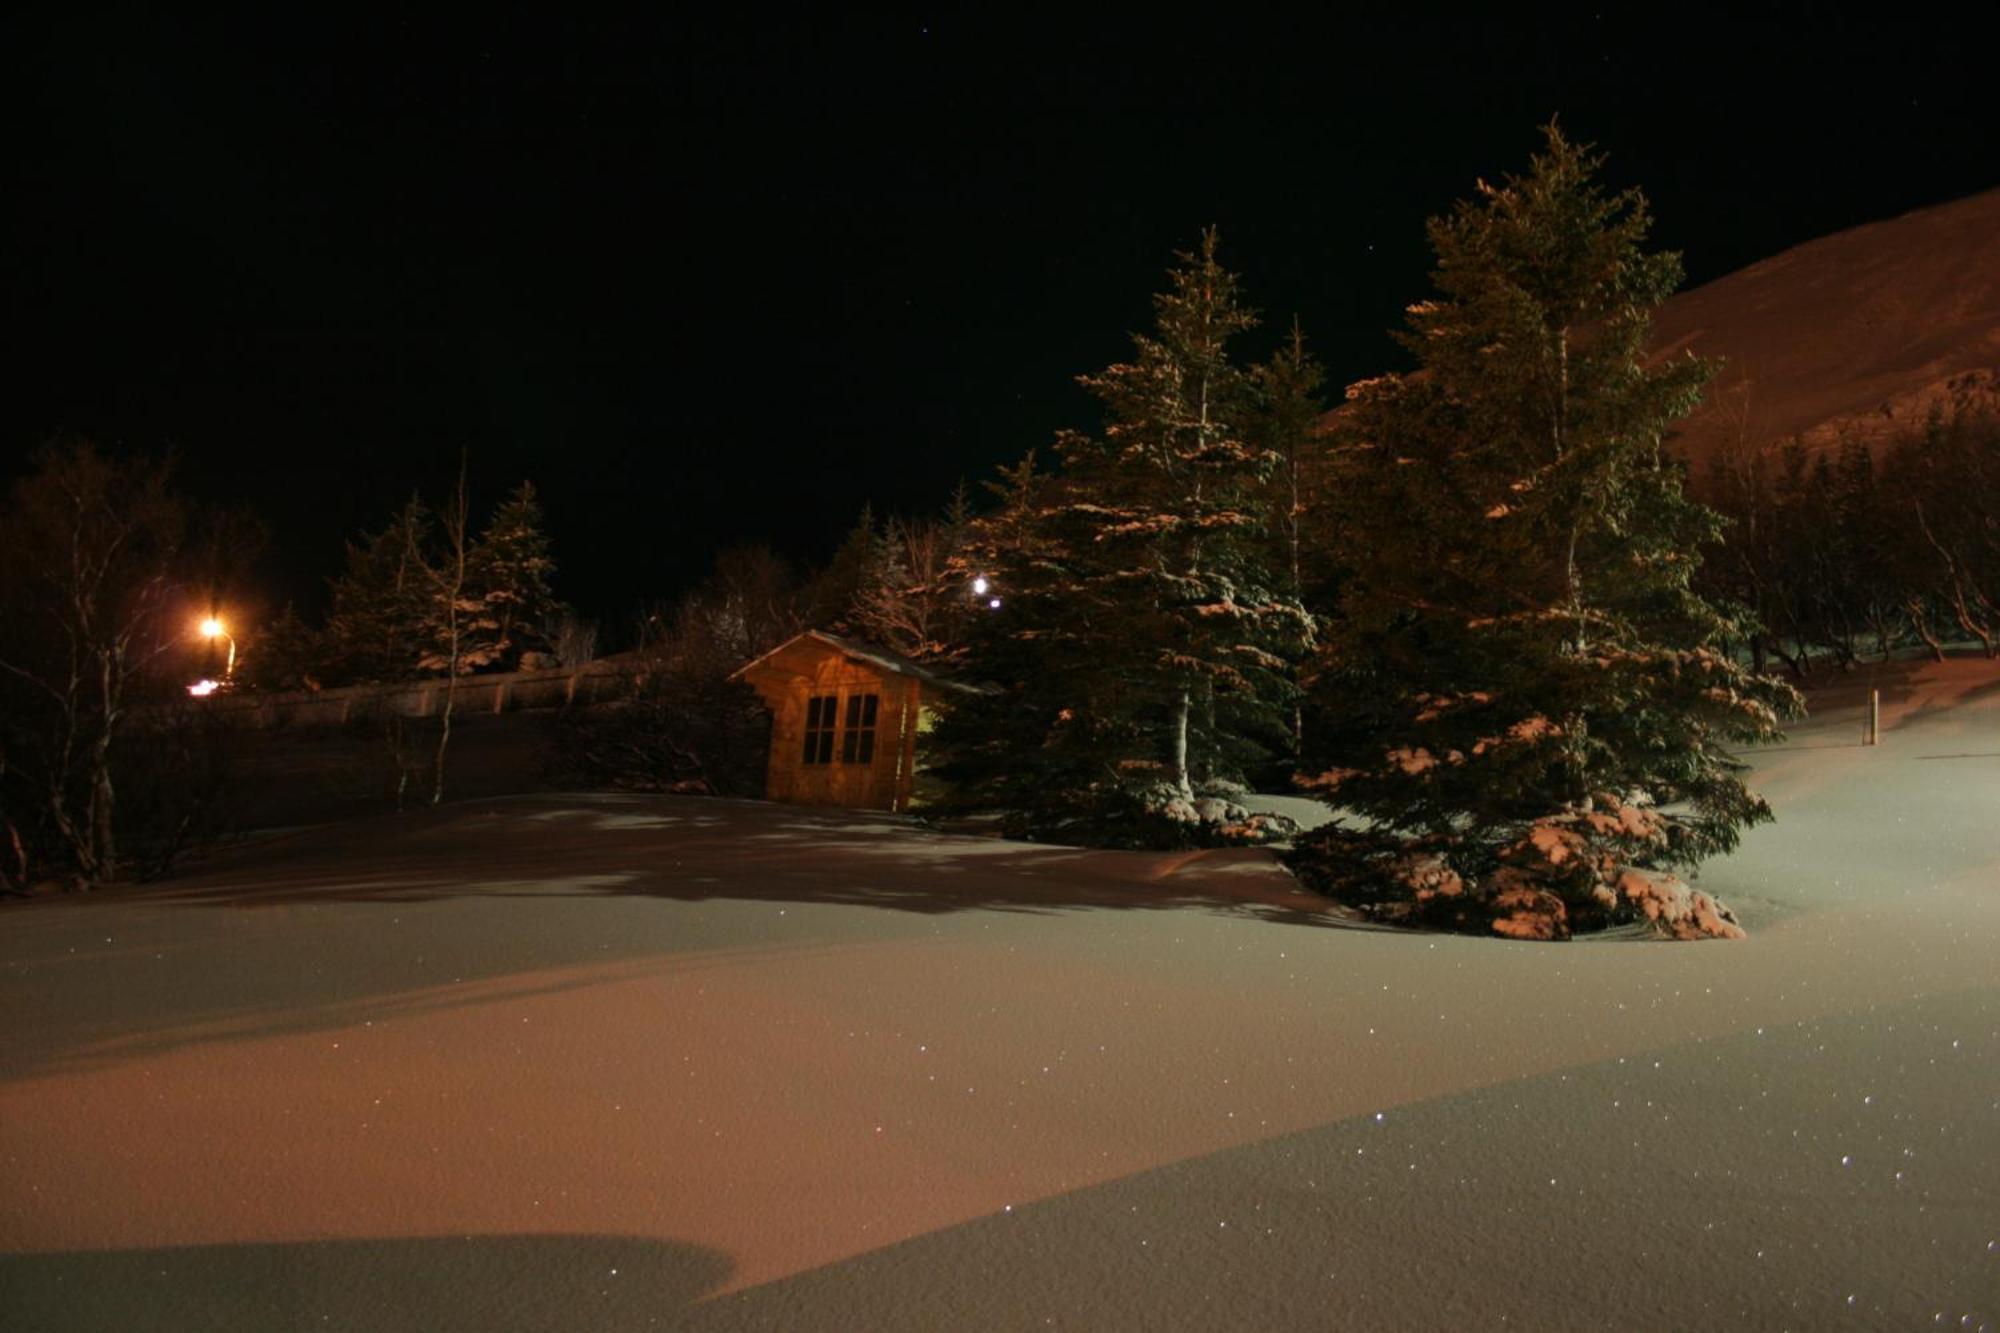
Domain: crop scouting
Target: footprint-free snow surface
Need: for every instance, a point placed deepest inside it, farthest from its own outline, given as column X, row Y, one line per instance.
column 613, row 1062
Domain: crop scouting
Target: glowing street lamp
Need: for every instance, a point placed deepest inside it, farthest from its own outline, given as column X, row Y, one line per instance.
column 213, row 628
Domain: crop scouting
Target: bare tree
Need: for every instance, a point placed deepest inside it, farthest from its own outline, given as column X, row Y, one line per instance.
column 575, row 640
column 93, row 546
column 455, row 618
column 913, row 604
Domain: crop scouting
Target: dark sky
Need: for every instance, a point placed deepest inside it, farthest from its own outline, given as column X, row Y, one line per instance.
column 713, row 285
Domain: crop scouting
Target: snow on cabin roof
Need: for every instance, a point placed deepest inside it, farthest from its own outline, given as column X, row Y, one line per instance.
column 880, row 658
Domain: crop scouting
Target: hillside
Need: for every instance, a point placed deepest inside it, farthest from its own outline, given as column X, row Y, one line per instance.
column 1857, row 333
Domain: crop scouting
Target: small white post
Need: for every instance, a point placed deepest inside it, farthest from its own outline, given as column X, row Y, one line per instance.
column 1874, row 717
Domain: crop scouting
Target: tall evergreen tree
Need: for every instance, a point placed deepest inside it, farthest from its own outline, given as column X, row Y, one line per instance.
column 1048, row 738
column 1290, row 387
column 508, row 574
column 1144, row 646
column 1535, row 703
column 1169, row 510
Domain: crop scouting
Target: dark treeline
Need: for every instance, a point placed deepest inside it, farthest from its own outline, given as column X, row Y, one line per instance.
column 1856, row 551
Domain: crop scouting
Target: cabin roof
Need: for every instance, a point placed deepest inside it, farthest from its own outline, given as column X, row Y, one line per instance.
column 854, row 650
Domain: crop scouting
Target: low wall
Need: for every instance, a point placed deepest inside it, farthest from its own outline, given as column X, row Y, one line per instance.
column 501, row 692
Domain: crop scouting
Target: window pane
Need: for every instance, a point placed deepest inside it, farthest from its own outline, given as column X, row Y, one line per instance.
column 847, row 743
column 854, row 710
column 867, row 747
column 819, row 728
column 868, row 703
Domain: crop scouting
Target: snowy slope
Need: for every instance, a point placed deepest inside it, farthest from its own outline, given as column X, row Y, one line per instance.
column 1856, row 333
column 631, row 1062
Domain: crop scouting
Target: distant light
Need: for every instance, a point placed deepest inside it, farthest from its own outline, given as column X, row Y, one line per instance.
column 980, row 585
column 212, row 628
column 994, row 604
column 201, row 689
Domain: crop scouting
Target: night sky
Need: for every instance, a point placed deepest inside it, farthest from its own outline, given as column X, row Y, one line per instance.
column 709, row 286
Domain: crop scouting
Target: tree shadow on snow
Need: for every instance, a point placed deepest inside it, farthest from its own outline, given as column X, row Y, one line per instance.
column 1912, row 690
column 695, row 849
column 119, row 978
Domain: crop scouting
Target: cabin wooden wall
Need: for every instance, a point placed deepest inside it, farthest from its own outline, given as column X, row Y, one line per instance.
column 883, row 784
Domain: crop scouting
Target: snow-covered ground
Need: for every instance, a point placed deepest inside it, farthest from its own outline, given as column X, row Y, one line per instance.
column 622, row 1062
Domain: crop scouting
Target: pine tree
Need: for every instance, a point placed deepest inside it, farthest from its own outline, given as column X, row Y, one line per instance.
column 1143, row 651
column 1290, row 406
column 1534, row 703
column 858, row 561
column 283, row 654
column 1168, row 509
column 508, row 574
column 380, row 604
column 1047, row 740
column 1290, row 387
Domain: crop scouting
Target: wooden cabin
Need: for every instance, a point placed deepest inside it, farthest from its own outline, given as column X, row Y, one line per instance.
column 844, row 721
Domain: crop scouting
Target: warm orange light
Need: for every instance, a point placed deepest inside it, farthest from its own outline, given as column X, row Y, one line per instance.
column 213, row 628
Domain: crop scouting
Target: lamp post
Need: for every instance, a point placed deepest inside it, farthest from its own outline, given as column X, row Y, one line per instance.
column 213, row 628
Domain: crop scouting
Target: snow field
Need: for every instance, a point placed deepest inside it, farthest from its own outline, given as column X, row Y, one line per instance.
column 627, row 1062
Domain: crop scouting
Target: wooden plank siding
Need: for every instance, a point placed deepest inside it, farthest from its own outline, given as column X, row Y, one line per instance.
column 818, row 666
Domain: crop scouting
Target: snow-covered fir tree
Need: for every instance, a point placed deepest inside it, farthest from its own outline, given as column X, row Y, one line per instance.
column 1290, row 388
column 508, row 573
column 421, row 596
column 1533, row 708
column 1144, row 645
column 1170, row 509
column 1048, row 741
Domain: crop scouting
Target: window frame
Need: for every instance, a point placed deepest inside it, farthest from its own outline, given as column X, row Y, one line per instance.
column 822, row 718
column 859, row 721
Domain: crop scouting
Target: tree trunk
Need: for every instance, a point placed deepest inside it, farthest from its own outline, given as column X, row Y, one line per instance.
column 1920, row 622
column 1181, row 710
column 451, row 588
column 392, row 736
column 103, row 801
column 444, row 734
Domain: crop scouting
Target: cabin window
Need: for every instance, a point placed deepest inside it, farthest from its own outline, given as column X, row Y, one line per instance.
column 821, row 714
column 857, row 745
